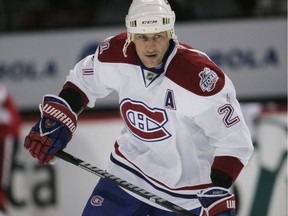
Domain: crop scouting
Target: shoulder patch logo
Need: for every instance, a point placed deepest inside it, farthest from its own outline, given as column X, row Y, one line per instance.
column 208, row 79
column 104, row 45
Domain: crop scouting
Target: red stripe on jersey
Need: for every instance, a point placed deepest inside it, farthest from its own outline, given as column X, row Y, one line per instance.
column 70, row 85
column 232, row 166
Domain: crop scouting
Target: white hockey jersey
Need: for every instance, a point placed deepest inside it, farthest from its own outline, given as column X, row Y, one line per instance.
column 176, row 123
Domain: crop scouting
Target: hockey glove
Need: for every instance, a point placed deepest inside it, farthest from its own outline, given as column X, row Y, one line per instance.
column 217, row 201
column 53, row 131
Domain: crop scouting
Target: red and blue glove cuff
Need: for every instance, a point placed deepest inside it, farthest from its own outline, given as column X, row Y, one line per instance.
column 217, row 201
column 56, row 113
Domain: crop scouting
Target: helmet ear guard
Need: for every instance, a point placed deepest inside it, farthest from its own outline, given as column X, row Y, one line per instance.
column 149, row 16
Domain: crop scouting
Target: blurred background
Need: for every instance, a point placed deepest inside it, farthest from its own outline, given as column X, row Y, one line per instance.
column 31, row 15
column 41, row 40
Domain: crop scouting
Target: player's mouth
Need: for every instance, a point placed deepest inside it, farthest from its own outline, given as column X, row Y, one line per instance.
column 151, row 55
column 150, row 59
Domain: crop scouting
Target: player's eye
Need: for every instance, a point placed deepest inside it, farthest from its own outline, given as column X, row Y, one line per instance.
column 157, row 36
column 141, row 37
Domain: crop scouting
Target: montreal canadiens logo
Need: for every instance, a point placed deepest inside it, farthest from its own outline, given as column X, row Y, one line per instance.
column 208, row 79
column 143, row 122
column 96, row 200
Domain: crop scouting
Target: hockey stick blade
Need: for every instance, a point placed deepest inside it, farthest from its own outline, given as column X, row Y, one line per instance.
column 124, row 184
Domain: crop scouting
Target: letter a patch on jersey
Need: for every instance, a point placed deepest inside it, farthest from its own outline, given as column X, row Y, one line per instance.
column 169, row 100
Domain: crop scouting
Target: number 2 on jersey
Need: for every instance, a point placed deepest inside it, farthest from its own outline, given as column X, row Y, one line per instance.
column 227, row 110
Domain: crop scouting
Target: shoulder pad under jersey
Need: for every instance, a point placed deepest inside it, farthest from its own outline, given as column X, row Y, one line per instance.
column 110, row 50
column 194, row 71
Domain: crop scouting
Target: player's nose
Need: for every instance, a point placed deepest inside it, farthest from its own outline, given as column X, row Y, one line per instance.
column 150, row 44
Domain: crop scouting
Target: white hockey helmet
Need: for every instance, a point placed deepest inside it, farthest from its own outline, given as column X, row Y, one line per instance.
column 149, row 16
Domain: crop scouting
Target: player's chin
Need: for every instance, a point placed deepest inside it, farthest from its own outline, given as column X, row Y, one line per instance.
column 151, row 62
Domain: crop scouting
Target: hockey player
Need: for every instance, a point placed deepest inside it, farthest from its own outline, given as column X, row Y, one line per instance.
column 185, row 138
column 9, row 136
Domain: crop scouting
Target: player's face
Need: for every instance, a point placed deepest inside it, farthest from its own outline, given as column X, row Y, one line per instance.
column 151, row 47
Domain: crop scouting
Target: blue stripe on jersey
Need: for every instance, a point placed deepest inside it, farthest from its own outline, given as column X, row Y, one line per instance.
column 185, row 196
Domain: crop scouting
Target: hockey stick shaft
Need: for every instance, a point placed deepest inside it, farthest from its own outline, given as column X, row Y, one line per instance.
column 124, row 184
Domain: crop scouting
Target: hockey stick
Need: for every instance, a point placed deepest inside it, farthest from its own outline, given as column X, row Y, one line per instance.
column 124, row 184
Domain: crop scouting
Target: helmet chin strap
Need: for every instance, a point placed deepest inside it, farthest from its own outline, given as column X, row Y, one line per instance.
column 130, row 37
column 124, row 50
